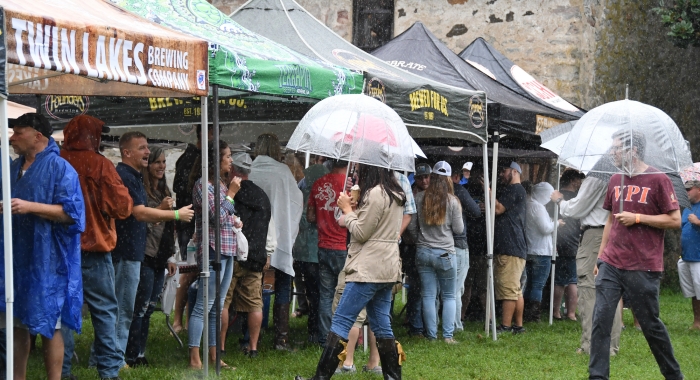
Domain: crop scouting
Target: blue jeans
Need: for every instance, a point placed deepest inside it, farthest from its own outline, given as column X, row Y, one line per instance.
column 150, row 287
column 196, row 322
column 537, row 269
column 126, row 281
column 330, row 263
column 98, row 292
column 283, row 288
column 462, row 256
column 376, row 297
column 437, row 269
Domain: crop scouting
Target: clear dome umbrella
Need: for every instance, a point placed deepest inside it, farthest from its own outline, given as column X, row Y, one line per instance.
column 603, row 141
column 355, row 128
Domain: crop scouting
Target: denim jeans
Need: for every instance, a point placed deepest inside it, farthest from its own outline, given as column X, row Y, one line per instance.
column 150, row 287
column 98, row 293
column 462, row 256
column 330, row 263
column 126, row 281
column 537, row 269
column 642, row 288
column 437, row 269
column 375, row 297
column 196, row 322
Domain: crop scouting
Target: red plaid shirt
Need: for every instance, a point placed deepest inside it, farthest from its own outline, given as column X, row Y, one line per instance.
column 228, row 237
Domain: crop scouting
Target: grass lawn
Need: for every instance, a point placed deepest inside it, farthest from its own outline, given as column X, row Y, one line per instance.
column 544, row 352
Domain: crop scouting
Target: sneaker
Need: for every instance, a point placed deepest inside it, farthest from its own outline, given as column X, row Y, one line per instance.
column 345, row 369
column 376, row 370
column 69, row 377
column 518, row 330
column 501, row 329
column 451, row 341
column 253, row 354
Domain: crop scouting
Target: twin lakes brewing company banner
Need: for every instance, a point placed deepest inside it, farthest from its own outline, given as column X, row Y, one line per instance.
column 48, row 39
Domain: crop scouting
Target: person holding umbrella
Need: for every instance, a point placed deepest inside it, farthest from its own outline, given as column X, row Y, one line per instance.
column 374, row 228
column 630, row 258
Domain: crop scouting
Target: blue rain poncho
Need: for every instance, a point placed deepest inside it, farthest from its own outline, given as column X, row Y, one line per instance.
column 47, row 275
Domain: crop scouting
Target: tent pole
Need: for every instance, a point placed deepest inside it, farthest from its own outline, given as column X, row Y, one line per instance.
column 306, row 165
column 554, row 253
column 494, row 173
column 7, row 231
column 217, row 230
column 204, row 275
column 489, row 236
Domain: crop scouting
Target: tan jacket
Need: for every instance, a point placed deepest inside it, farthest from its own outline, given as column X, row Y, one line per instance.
column 373, row 253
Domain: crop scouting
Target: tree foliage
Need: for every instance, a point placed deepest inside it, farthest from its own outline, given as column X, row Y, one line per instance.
column 682, row 17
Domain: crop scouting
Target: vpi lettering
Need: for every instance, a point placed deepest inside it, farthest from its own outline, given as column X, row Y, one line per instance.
column 631, row 191
column 428, row 99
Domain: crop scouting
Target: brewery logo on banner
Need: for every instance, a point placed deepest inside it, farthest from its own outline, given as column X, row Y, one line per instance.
column 295, row 79
column 99, row 56
column 539, row 90
column 545, row 122
column 64, row 108
column 477, row 111
column 428, row 99
column 407, row 65
column 376, row 89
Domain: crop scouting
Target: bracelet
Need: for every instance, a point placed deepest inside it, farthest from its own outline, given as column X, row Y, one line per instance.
column 639, row 216
column 177, row 214
column 228, row 198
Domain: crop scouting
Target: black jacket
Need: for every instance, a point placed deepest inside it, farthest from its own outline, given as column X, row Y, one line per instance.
column 469, row 210
column 254, row 209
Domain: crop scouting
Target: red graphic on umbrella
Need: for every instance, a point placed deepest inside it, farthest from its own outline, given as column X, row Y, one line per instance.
column 369, row 128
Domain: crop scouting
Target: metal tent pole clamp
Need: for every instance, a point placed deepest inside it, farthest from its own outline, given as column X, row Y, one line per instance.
column 494, row 173
column 554, row 253
column 204, row 275
column 217, row 227
column 7, row 231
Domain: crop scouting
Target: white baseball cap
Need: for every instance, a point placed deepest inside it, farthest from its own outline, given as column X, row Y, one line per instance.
column 442, row 168
column 468, row 166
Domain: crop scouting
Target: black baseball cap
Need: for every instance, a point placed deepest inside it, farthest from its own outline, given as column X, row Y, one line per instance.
column 33, row 120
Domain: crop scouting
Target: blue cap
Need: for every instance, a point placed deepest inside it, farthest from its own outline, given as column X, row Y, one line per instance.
column 514, row 165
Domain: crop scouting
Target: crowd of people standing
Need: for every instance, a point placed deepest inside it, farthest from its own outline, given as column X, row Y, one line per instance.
column 106, row 236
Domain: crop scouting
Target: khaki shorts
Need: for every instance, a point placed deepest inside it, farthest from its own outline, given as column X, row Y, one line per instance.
column 247, row 287
column 506, row 272
column 336, row 300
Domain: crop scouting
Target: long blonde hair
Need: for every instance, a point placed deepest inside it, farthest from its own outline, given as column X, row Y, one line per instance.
column 435, row 199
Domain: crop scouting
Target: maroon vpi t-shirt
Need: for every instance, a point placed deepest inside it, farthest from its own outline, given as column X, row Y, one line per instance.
column 638, row 247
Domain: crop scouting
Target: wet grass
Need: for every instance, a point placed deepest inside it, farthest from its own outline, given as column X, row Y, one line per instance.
column 544, row 352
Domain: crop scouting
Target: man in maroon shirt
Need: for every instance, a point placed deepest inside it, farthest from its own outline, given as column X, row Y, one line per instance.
column 630, row 259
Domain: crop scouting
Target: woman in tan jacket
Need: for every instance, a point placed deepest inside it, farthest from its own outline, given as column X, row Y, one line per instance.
column 371, row 269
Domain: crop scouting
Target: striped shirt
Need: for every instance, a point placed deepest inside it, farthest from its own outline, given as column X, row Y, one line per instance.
column 228, row 237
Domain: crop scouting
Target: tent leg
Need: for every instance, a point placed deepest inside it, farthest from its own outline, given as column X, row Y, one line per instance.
column 554, row 254
column 492, row 210
column 204, row 275
column 217, row 228
column 489, row 239
column 7, row 231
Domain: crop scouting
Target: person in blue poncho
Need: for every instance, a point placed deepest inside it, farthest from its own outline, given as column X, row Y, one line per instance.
column 48, row 218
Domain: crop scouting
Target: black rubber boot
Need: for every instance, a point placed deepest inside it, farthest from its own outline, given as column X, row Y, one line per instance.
column 328, row 363
column 389, row 356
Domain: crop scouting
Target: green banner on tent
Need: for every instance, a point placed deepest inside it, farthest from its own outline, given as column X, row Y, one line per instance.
column 241, row 59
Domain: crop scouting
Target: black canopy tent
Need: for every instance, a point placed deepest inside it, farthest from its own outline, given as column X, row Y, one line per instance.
column 421, row 52
column 484, row 57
